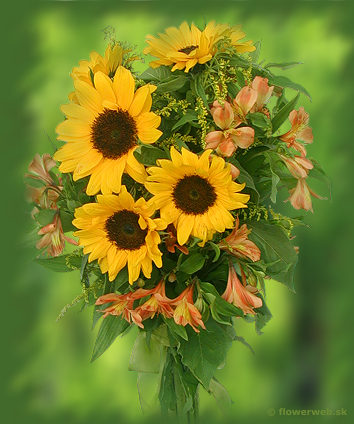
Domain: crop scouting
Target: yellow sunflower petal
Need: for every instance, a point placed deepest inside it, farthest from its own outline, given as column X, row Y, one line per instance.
column 103, row 85
column 123, row 85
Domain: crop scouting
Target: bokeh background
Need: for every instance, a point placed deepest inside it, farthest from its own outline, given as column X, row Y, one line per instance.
column 304, row 359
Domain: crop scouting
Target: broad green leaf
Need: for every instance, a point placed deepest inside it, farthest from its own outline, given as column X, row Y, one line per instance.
column 144, row 357
column 283, row 113
column 285, row 82
column 172, row 84
column 189, row 116
column 277, row 251
column 148, row 155
column 111, row 327
column 192, row 264
column 45, row 216
column 205, row 351
column 161, row 73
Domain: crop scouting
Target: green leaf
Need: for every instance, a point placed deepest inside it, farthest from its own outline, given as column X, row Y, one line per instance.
column 220, row 394
column 45, row 216
column 246, row 178
column 283, row 65
column 277, row 251
column 176, row 329
column 189, row 116
column 111, row 327
column 66, row 219
column 275, row 178
column 192, row 264
column 57, row 264
column 205, row 351
column 198, row 89
column 172, row 84
column 285, row 82
column 144, row 357
column 283, row 113
column 255, row 54
column 148, row 155
column 161, row 73
column 259, row 120
column 216, row 249
column 263, row 317
column 121, row 278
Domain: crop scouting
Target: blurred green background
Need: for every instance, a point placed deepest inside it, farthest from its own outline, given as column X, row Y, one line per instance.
column 305, row 357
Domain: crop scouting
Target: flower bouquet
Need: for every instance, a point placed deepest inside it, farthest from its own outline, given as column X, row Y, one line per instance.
column 166, row 184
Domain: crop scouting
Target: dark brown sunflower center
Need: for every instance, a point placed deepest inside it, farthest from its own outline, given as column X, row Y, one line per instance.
column 188, row 49
column 194, row 195
column 114, row 133
column 124, row 230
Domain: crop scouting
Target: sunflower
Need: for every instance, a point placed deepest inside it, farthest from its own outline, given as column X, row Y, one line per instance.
column 195, row 194
column 186, row 46
column 103, row 129
column 118, row 231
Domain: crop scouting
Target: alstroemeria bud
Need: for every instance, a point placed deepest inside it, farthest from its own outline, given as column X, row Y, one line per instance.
column 223, row 115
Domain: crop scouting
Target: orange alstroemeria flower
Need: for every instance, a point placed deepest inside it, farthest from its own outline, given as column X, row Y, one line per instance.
column 300, row 196
column 186, row 312
column 239, row 294
column 53, row 237
column 232, row 136
column 299, row 131
column 123, row 305
column 157, row 304
column 238, row 244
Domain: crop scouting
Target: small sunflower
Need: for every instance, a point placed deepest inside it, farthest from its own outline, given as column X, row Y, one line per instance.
column 186, row 46
column 103, row 129
column 118, row 231
column 195, row 194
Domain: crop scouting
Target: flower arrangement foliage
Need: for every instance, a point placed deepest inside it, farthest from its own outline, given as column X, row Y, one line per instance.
column 167, row 183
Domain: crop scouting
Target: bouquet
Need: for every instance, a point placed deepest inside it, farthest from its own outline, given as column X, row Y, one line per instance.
column 164, row 194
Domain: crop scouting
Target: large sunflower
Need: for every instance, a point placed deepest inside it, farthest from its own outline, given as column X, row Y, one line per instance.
column 118, row 231
column 103, row 129
column 186, row 46
column 195, row 194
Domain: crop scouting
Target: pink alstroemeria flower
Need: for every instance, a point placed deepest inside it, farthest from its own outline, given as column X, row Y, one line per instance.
column 53, row 237
column 299, row 131
column 264, row 92
column 298, row 166
column 186, row 312
column 232, row 136
column 241, row 295
column 238, row 244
